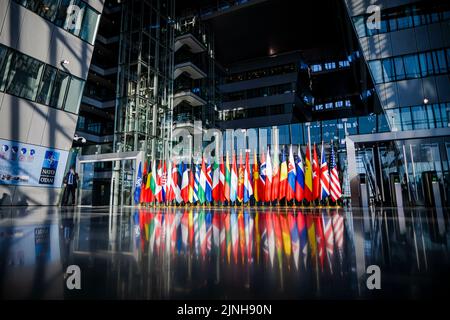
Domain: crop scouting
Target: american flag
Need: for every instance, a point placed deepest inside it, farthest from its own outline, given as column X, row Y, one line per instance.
column 335, row 185
column 324, row 176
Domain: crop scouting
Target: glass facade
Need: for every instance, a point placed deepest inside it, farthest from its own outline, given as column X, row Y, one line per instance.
column 261, row 73
column 404, row 17
column 74, row 16
column 411, row 66
column 31, row 79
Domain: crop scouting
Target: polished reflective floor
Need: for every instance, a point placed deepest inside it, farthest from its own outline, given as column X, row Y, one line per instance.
column 208, row 253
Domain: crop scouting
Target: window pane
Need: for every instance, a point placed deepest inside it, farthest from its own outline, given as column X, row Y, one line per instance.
column 59, row 90
column 375, row 68
column 393, row 116
column 420, row 117
column 74, row 95
column 445, row 110
column 24, row 76
column 399, row 69
column 440, row 65
column 367, row 124
column 388, row 70
column 438, row 116
column 46, row 86
column 411, row 63
column 431, row 119
column 296, row 134
column 426, row 64
column 383, row 125
column 90, row 25
column 360, row 26
column 70, row 15
column 45, row 8
column 4, row 71
column 406, row 119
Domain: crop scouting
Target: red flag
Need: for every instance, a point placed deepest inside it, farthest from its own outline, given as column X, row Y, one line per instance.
column 240, row 189
column 275, row 176
column 143, row 191
column 222, row 182
column 262, row 179
column 316, row 175
column 308, row 193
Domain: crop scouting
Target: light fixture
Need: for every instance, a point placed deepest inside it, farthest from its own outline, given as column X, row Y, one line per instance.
column 425, row 101
column 65, row 62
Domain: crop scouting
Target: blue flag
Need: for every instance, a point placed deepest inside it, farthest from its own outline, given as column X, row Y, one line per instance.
column 137, row 188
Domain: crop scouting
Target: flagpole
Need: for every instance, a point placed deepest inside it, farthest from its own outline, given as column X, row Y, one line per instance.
column 310, row 154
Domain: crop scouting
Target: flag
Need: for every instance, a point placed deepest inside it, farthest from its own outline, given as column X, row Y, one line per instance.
column 294, row 238
column 335, row 184
column 191, row 185
column 324, row 176
column 240, row 187
column 315, row 175
column 329, row 237
column 303, row 237
column 159, row 186
column 202, row 183
column 256, row 181
column 138, row 185
column 292, row 174
column 308, row 175
column 196, row 182
column 227, row 186
column 153, row 181
column 262, row 179
column 300, row 177
column 248, row 188
column 208, row 190
column 216, row 182
column 143, row 183
column 283, row 177
column 275, row 175
column 221, row 197
column 170, row 193
column 177, row 184
column 234, row 179
column 268, row 191
column 185, row 183
column 164, row 183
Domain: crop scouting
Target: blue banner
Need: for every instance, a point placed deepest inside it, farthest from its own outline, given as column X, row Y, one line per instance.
column 30, row 165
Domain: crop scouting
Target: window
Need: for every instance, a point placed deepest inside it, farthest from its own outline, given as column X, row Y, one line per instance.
column 24, row 75
column 330, row 65
column 411, row 66
column 74, row 95
column 420, row 119
column 316, row 68
column 344, row 64
column 74, row 16
column 426, row 64
column 375, row 68
column 405, row 115
column 399, row 69
column 388, row 70
column 52, row 89
column 440, row 66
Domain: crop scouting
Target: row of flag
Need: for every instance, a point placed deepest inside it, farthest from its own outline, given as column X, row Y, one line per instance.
column 227, row 180
column 304, row 240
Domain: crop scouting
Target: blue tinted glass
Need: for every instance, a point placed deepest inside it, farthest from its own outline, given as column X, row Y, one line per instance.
column 375, row 68
column 388, row 70
column 406, row 119
column 438, row 116
column 399, row 68
column 383, row 125
column 426, row 64
column 419, row 117
column 329, row 130
column 360, row 26
column 393, row 117
column 431, row 120
column 367, row 124
column 440, row 65
column 296, row 134
column 411, row 63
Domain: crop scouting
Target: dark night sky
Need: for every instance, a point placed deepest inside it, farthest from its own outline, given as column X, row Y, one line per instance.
column 281, row 25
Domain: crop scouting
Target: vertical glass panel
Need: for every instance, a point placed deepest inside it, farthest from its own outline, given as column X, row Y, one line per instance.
column 59, row 90
column 352, row 126
column 431, row 119
column 426, row 64
column 388, row 70
column 74, row 95
column 383, row 125
column 445, row 111
column 411, row 63
column 24, row 75
column 399, row 68
column 45, row 8
column 70, row 15
column 393, row 118
column 329, row 130
column 406, row 119
column 296, row 134
column 440, row 65
column 284, row 136
column 4, row 65
column 90, row 25
column 438, row 116
column 419, row 117
column 314, row 131
column 404, row 22
column 375, row 68
column 46, row 85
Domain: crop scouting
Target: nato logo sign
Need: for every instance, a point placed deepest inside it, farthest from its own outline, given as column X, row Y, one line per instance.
column 49, row 167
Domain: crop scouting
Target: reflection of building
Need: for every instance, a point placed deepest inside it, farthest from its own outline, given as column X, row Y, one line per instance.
column 45, row 51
